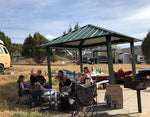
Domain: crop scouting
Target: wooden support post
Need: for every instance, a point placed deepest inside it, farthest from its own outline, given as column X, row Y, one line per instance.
column 49, row 66
column 134, row 73
column 110, row 60
column 114, row 55
column 81, row 64
column 139, row 101
column 133, row 59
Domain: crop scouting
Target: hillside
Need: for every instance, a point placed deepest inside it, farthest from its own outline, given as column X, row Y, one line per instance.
column 138, row 50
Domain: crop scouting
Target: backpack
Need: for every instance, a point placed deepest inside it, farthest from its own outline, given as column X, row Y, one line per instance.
column 65, row 105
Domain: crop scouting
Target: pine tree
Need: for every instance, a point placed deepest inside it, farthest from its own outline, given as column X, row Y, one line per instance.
column 30, row 50
column 146, row 47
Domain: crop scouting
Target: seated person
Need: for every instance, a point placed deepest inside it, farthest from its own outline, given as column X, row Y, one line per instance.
column 40, row 87
column 63, row 81
column 38, row 90
column 87, row 75
column 24, row 86
column 39, row 78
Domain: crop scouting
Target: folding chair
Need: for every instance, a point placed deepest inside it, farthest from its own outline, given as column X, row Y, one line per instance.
column 50, row 96
column 21, row 93
column 65, row 88
column 38, row 96
column 35, row 94
column 84, row 97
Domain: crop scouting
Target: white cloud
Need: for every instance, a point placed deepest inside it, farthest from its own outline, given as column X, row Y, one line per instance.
column 102, row 25
column 140, row 35
column 50, row 37
column 26, row 17
column 141, row 14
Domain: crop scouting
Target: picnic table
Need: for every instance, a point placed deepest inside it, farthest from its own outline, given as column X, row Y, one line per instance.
column 100, row 77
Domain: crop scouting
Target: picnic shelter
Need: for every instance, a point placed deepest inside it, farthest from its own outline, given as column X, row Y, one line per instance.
column 90, row 36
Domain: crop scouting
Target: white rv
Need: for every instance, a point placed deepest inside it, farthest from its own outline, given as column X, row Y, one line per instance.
column 125, row 58
column 139, row 59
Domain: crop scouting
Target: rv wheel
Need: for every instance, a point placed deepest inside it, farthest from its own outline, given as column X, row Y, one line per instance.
column 1, row 69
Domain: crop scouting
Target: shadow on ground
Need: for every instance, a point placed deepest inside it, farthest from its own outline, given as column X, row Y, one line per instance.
column 9, row 97
column 100, row 111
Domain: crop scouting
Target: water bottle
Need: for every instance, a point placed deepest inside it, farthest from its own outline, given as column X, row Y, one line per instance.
column 97, row 70
column 79, row 74
column 100, row 70
column 74, row 74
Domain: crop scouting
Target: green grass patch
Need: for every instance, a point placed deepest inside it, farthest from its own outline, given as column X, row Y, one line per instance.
column 4, row 106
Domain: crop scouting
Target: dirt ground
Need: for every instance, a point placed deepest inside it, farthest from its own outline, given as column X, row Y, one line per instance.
column 130, row 98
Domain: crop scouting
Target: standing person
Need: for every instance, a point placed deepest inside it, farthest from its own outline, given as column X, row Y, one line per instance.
column 24, row 86
column 87, row 75
column 32, row 78
column 63, row 81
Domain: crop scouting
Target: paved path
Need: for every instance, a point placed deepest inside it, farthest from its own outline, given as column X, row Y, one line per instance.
column 130, row 103
column 130, row 107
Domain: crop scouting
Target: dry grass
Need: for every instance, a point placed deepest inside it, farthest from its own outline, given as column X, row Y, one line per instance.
column 8, row 85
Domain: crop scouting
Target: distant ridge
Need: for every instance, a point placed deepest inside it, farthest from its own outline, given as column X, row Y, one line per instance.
column 138, row 50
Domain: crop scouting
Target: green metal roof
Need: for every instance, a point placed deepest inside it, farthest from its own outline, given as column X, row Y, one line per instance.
column 88, row 36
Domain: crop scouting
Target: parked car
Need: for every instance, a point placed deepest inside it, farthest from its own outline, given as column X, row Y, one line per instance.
column 4, row 57
column 86, row 60
column 101, row 59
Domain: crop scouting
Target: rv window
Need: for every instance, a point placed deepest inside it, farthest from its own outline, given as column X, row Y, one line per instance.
column 1, row 52
column 141, row 58
column 5, row 51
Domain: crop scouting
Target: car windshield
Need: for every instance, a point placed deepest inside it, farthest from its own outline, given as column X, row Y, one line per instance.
column 102, row 57
column 1, row 52
column 6, row 52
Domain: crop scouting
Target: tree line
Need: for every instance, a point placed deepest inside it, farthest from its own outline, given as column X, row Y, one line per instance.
column 146, row 47
column 28, row 48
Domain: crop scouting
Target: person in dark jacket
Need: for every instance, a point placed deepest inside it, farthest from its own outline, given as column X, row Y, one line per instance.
column 63, row 81
column 40, row 78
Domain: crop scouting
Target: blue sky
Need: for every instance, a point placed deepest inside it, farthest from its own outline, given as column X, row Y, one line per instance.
column 19, row 18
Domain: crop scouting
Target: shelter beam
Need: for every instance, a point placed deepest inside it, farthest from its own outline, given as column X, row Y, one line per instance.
column 64, row 46
column 104, row 43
